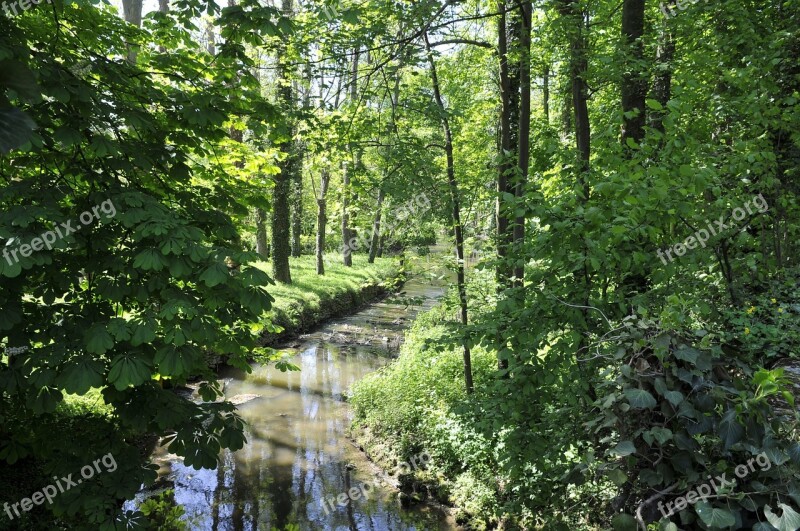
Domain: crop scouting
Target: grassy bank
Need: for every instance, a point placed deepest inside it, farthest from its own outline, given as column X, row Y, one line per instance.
column 311, row 299
column 418, row 404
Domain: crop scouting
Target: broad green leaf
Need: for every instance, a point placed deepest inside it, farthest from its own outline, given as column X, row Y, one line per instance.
column 78, row 378
column 623, row 522
column 128, row 370
column 640, row 399
column 98, row 340
column 713, row 517
column 623, row 448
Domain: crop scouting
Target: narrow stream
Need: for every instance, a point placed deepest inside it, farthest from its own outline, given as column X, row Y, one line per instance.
column 297, row 453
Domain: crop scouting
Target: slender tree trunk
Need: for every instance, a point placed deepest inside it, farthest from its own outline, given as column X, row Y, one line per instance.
column 322, row 220
column 634, row 80
column 546, row 93
column 456, row 210
column 347, row 255
column 376, row 228
column 280, row 207
column 297, row 202
column 262, row 248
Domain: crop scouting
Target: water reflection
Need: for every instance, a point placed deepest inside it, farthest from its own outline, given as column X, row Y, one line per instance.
column 297, row 454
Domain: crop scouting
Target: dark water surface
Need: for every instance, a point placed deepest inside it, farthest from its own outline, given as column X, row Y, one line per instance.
column 297, row 454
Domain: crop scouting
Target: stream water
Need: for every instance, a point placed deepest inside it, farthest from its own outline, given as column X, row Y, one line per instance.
column 297, row 453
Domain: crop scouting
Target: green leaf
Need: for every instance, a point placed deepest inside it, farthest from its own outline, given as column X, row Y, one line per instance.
column 640, row 399
column 654, row 104
column 674, row 397
column 617, row 476
column 623, row 522
column 730, row 431
column 16, row 128
column 216, row 274
column 79, row 377
column 98, row 340
column 713, row 517
column 788, row 521
column 623, row 448
column 687, row 354
column 128, row 370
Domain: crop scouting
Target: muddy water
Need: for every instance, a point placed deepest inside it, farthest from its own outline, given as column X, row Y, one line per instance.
column 297, row 454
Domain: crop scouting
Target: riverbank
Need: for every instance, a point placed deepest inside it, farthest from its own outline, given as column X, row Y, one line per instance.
column 312, row 299
column 392, row 423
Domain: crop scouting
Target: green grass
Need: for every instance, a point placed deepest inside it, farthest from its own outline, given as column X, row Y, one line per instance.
column 312, row 298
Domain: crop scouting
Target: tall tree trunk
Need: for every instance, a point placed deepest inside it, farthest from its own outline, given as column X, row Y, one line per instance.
column 504, row 226
column 521, row 177
column 280, row 206
column 322, row 220
column 163, row 7
column 297, row 185
column 132, row 11
column 634, row 79
column 456, row 210
column 376, row 228
column 297, row 201
column 346, row 232
column 661, row 90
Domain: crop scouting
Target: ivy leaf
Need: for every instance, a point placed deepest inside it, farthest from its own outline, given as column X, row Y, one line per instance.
column 687, row 354
column 674, row 397
column 714, row 517
column 640, row 399
column 730, row 431
column 788, row 521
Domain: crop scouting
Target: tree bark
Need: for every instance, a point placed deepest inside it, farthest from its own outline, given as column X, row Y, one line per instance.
column 634, row 80
column 346, row 232
column 280, row 207
column 661, row 90
column 456, row 211
column 504, row 230
column 524, row 134
column 322, row 220
column 376, row 228
column 262, row 248
column 546, row 93
column 132, row 11
column 347, row 253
